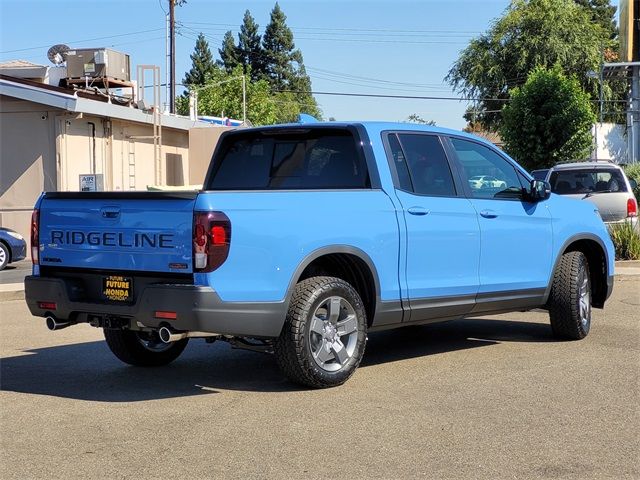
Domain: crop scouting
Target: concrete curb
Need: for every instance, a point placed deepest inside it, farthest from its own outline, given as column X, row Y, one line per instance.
column 627, row 263
column 11, row 291
column 11, row 295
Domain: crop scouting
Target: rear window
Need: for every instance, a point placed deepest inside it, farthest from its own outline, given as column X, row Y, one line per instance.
column 296, row 159
column 569, row 182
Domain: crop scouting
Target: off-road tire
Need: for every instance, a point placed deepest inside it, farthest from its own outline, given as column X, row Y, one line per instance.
column 292, row 348
column 5, row 258
column 567, row 321
column 126, row 345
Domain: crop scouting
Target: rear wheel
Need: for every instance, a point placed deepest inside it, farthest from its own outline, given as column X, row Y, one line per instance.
column 324, row 336
column 143, row 349
column 570, row 297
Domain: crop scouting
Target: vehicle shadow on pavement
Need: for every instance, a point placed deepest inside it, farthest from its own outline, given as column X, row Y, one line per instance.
column 435, row 338
column 88, row 371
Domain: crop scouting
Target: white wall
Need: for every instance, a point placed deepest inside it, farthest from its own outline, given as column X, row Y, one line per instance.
column 612, row 142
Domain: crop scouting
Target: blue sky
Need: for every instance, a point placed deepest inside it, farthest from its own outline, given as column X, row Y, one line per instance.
column 390, row 47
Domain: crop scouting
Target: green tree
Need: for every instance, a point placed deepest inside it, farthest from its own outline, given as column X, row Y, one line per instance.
column 250, row 47
column 548, row 120
column 222, row 96
column 229, row 55
column 284, row 65
column 602, row 13
column 531, row 33
column 202, row 63
column 278, row 48
column 415, row 118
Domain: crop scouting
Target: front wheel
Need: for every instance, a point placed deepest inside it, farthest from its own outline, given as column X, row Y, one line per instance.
column 570, row 298
column 143, row 349
column 324, row 335
column 4, row 256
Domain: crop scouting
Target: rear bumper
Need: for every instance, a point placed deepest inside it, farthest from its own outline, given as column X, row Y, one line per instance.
column 198, row 308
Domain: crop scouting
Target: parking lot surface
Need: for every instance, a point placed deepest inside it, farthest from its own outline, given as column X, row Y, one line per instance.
column 495, row 397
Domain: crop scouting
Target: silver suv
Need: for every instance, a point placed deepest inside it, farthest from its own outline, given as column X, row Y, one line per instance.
column 602, row 183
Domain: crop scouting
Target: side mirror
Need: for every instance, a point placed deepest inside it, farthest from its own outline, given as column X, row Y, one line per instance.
column 633, row 184
column 539, row 190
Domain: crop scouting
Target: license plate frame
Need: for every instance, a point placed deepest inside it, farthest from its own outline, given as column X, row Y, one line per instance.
column 117, row 288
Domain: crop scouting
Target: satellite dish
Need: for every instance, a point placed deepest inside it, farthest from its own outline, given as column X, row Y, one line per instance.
column 58, row 54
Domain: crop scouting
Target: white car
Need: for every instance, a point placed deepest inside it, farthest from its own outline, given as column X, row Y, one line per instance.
column 486, row 181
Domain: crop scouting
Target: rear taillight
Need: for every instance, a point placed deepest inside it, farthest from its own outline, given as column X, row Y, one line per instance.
column 632, row 208
column 211, row 240
column 35, row 240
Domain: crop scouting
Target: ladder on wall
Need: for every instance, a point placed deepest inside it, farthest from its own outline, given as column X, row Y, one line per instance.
column 154, row 109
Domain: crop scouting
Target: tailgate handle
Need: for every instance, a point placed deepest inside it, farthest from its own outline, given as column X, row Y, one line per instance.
column 110, row 212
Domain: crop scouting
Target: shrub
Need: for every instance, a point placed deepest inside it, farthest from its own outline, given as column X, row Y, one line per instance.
column 626, row 240
column 548, row 120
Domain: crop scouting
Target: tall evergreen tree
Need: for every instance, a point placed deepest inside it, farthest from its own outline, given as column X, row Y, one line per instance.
column 202, row 63
column 229, row 58
column 301, row 83
column 250, row 51
column 278, row 49
column 284, row 63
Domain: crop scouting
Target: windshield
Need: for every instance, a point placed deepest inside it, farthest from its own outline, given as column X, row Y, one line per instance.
column 571, row 182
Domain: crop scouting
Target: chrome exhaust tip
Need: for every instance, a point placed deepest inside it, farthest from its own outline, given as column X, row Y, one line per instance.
column 54, row 324
column 167, row 336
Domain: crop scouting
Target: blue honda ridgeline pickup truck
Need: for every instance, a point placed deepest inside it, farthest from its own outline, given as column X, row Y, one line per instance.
column 307, row 237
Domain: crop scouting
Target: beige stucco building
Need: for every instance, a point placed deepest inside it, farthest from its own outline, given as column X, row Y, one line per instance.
column 50, row 136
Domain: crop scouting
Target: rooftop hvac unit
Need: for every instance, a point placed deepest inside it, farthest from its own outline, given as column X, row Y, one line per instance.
column 98, row 63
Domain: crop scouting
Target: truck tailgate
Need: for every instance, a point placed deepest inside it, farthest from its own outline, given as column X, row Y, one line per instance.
column 123, row 231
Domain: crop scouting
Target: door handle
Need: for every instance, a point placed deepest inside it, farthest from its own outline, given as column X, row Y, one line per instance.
column 488, row 214
column 418, row 211
column 110, row 212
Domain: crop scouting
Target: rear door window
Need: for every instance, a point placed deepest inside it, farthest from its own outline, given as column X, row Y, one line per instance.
column 295, row 159
column 427, row 165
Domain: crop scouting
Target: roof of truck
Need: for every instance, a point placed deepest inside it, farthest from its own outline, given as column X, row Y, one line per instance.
column 376, row 127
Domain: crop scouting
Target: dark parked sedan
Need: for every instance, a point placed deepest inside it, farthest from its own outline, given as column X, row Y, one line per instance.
column 12, row 247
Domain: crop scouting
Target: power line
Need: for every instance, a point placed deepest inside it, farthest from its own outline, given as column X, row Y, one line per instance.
column 380, row 87
column 401, row 35
column 360, row 79
column 376, row 80
column 408, row 97
column 362, row 40
column 353, row 29
column 85, row 40
column 323, row 74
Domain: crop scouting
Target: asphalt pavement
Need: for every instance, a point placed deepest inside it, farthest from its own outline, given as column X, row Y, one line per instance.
column 496, row 397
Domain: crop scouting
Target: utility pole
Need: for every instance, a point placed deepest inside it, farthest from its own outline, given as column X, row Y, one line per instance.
column 172, row 48
column 166, row 66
